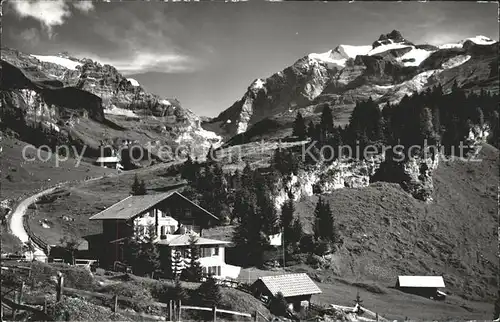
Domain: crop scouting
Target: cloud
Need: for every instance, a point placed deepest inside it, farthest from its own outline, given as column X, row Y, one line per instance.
column 49, row 13
column 147, row 41
column 83, row 5
column 143, row 62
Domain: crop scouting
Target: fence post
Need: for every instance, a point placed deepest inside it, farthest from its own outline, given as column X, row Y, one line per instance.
column 45, row 304
column 169, row 317
column 256, row 317
column 180, row 309
column 14, row 311
column 214, row 311
column 376, row 316
column 115, row 303
column 60, row 285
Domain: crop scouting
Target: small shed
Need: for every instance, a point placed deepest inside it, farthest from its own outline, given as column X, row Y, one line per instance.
column 422, row 285
column 297, row 289
column 109, row 162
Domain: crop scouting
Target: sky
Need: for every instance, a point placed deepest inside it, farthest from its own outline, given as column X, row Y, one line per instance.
column 206, row 54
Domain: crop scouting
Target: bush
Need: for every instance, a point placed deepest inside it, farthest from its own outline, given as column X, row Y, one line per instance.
column 74, row 309
column 74, row 277
column 142, row 296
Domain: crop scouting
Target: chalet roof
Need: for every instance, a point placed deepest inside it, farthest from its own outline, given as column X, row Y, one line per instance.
column 183, row 240
column 421, row 281
column 107, row 160
column 290, row 284
column 133, row 206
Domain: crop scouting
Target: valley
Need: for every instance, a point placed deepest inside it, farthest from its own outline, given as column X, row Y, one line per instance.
column 265, row 208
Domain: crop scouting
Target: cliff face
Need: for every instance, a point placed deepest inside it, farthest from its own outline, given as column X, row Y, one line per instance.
column 385, row 71
column 59, row 91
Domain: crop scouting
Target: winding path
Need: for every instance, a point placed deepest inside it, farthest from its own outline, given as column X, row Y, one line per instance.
column 17, row 227
column 16, row 220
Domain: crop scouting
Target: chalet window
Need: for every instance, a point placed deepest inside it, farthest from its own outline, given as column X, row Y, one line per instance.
column 216, row 251
column 152, row 213
column 162, row 230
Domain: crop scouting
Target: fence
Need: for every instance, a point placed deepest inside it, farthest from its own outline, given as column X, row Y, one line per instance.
column 173, row 308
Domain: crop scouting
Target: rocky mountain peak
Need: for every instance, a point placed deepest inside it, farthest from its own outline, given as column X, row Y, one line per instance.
column 394, row 36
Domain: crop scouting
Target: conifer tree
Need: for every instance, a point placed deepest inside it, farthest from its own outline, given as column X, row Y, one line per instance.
column 311, row 130
column 177, row 293
column 209, row 293
column 193, row 272
column 299, row 127
column 324, row 228
column 326, row 124
column 177, row 264
column 138, row 187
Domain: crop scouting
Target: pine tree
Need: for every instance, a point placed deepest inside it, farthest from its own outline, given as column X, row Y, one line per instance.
column 299, row 127
column 193, row 273
column 209, row 293
column 138, row 187
column 324, row 224
column 211, row 155
column 177, row 264
column 326, row 123
column 311, row 130
column 426, row 125
column 177, row 293
column 287, row 216
column 188, row 170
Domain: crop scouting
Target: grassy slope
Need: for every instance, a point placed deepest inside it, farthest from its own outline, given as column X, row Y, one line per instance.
column 88, row 198
column 26, row 177
column 388, row 233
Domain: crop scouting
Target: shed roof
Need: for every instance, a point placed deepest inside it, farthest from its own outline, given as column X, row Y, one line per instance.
column 421, row 281
column 107, row 160
column 133, row 206
column 290, row 284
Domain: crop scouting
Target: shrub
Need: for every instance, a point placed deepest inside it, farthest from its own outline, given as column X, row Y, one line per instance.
column 141, row 296
column 74, row 277
column 278, row 305
column 74, row 309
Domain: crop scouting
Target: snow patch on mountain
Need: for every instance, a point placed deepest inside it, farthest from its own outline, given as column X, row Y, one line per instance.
column 326, row 58
column 382, row 48
column 348, row 51
column 479, row 40
column 165, row 102
column 339, row 55
column 455, row 61
column 67, row 63
column 258, row 84
column 415, row 56
column 133, row 82
column 113, row 110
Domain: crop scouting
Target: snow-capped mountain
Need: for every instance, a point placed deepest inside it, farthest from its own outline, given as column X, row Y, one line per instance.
column 386, row 71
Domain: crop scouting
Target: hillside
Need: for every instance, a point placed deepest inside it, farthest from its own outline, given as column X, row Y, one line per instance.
column 388, row 233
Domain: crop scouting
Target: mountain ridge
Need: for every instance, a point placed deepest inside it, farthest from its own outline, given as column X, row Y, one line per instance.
column 392, row 68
